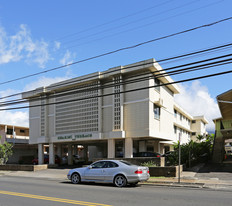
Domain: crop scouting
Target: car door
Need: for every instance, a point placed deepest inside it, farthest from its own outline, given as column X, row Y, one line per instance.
column 109, row 171
column 95, row 172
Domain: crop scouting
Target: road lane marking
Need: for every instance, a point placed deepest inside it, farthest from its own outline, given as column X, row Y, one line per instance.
column 54, row 199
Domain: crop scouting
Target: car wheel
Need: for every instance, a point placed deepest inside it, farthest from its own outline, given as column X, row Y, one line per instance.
column 75, row 178
column 120, row 181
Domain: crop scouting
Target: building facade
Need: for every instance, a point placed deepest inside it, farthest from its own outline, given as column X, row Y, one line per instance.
column 115, row 113
column 19, row 137
column 223, row 127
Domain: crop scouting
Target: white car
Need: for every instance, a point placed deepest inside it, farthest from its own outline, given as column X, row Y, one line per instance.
column 118, row 172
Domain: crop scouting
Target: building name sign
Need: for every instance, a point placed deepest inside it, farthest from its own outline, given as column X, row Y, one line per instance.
column 64, row 137
column 82, row 136
column 74, row 137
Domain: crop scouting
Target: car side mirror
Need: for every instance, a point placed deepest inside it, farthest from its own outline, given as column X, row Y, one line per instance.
column 90, row 167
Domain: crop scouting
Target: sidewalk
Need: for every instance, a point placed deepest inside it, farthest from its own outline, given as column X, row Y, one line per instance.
column 188, row 178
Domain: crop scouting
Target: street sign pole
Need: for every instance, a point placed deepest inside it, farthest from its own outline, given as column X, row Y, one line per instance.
column 179, row 159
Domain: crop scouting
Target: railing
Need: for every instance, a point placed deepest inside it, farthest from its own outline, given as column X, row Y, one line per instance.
column 17, row 137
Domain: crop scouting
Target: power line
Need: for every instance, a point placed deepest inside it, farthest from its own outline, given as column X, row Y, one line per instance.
column 121, row 49
column 144, row 64
column 117, row 19
column 135, row 28
column 121, row 92
column 175, row 72
column 192, row 68
column 128, row 23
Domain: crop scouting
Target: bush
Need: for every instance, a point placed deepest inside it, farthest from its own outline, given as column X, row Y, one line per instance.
column 149, row 164
column 5, row 152
column 193, row 152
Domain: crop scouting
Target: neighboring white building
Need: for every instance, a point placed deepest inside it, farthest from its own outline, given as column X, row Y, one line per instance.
column 113, row 116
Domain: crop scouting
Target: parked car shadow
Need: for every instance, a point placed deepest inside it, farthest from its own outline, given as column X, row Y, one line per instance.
column 99, row 184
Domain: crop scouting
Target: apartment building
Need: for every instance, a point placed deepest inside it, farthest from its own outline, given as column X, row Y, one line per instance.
column 19, row 137
column 114, row 113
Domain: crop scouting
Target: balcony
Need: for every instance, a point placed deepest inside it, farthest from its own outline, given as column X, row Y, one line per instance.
column 18, row 139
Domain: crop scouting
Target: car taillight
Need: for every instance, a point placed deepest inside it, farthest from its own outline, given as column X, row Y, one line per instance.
column 158, row 155
column 148, row 171
column 138, row 171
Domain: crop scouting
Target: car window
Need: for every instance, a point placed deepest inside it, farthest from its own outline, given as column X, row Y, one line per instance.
column 110, row 164
column 126, row 163
column 100, row 164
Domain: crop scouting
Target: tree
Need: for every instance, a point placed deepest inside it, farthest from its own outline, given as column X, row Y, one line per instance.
column 193, row 152
column 5, row 152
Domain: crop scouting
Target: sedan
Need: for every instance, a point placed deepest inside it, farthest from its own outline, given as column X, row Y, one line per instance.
column 118, row 172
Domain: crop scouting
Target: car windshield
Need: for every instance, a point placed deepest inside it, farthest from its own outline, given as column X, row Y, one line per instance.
column 125, row 162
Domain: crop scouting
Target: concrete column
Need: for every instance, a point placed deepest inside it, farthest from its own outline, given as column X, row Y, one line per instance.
column 59, row 150
column 121, row 104
column 156, row 146
column 51, row 154
column 100, row 99
column 111, row 148
column 40, row 154
column 161, row 148
column 142, row 146
column 128, row 148
column 70, row 159
column 75, row 150
column 86, row 153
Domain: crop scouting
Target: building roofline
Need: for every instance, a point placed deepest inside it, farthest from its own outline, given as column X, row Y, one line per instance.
column 15, row 126
column 201, row 118
column 150, row 65
column 180, row 109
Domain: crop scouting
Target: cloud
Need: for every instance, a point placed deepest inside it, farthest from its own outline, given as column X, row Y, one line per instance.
column 68, row 58
column 18, row 118
column 21, row 46
column 44, row 81
column 197, row 101
column 56, row 45
column 21, row 117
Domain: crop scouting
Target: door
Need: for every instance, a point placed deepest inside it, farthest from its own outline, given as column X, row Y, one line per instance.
column 95, row 172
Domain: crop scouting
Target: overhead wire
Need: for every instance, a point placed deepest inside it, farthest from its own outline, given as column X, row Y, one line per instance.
column 139, row 27
column 143, row 64
column 121, row 49
column 121, row 92
column 117, row 19
column 131, row 22
column 179, row 71
column 149, row 63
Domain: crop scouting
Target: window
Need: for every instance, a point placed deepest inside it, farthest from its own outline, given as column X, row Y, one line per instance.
column 22, row 131
column 175, row 129
column 193, row 121
column 100, row 164
column 157, row 84
column 193, row 133
column 156, row 111
column 110, row 164
column 175, row 113
column 9, row 131
column 181, row 116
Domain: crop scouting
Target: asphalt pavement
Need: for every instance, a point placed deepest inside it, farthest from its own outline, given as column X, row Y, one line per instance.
column 213, row 176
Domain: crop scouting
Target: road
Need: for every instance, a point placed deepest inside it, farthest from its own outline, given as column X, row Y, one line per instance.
column 23, row 191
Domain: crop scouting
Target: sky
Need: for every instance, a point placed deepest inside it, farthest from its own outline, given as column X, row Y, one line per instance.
column 39, row 35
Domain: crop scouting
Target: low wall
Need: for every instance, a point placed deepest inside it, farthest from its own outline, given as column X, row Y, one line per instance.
column 16, row 167
column 137, row 160
column 168, row 171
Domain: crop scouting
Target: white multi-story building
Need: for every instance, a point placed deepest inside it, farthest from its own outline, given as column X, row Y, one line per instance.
column 115, row 113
